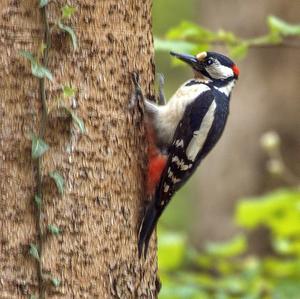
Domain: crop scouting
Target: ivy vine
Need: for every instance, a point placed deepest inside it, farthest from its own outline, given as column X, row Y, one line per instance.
column 39, row 69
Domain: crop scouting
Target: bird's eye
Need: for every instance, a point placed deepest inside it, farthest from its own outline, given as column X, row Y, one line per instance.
column 209, row 62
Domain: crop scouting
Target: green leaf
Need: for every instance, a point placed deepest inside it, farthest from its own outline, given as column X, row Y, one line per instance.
column 53, row 229
column 174, row 45
column 40, row 71
column 225, row 36
column 69, row 91
column 34, row 251
column 59, row 181
column 28, row 55
column 55, row 282
column 68, row 11
column 42, row 48
column 38, row 201
column 281, row 268
column 239, row 51
column 277, row 25
column 171, row 247
column 38, row 147
column 37, row 69
column 234, row 247
column 278, row 210
column 78, row 122
column 43, row 3
column 191, row 32
column 70, row 31
column 287, row 288
column 33, row 297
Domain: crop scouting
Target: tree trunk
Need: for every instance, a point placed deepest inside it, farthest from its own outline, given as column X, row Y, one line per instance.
column 95, row 255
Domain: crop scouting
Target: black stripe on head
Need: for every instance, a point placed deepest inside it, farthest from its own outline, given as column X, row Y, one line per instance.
column 224, row 60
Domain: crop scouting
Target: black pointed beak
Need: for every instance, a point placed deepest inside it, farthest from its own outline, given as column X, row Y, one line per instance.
column 189, row 59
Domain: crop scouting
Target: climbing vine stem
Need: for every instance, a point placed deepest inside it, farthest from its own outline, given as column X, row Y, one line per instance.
column 43, row 125
column 39, row 68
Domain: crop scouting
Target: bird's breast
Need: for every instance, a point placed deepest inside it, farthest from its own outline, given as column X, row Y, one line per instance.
column 170, row 115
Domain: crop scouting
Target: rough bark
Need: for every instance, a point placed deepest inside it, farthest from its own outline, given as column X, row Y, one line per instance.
column 95, row 256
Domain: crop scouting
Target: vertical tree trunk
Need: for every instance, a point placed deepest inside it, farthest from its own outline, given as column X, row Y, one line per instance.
column 95, row 255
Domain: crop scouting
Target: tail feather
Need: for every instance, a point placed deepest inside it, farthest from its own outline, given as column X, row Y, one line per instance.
column 147, row 227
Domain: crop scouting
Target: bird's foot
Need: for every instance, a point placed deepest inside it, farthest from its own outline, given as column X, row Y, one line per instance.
column 137, row 95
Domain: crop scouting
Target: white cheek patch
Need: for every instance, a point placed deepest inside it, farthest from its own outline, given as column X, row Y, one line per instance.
column 218, row 71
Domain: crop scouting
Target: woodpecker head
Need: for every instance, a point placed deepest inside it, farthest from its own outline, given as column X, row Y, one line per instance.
column 211, row 65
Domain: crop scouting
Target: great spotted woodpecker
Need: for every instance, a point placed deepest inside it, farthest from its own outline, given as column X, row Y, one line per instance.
column 184, row 130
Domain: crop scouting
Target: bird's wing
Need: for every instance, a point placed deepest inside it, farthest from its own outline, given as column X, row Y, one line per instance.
column 189, row 138
column 188, row 141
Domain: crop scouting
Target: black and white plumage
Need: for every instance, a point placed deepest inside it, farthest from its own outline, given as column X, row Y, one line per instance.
column 188, row 127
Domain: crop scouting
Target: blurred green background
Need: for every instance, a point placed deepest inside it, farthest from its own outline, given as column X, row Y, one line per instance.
column 233, row 231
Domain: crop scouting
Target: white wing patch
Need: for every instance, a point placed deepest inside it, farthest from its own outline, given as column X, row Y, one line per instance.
column 200, row 135
column 179, row 143
column 166, row 188
column 181, row 163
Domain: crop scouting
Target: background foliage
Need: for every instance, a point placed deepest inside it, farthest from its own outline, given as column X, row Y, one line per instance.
column 228, row 269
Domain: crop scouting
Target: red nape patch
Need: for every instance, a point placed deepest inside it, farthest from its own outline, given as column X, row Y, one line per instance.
column 236, row 70
column 156, row 166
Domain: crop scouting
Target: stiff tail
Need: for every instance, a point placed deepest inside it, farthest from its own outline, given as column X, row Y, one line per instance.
column 147, row 227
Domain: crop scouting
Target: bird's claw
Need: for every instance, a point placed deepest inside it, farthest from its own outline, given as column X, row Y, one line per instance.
column 137, row 94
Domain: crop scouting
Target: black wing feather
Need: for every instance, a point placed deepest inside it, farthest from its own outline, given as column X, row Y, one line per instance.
column 191, row 121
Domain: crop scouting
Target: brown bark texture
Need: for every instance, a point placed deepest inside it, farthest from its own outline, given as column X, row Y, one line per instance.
column 95, row 256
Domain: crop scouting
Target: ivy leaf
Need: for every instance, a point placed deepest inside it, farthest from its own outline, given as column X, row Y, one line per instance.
column 70, row 31
column 36, row 68
column 53, row 229
column 68, row 91
column 38, row 147
column 27, row 55
column 68, row 11
column 59, row 181
column 78, row 122
column 277, row 25
column 40, row 71
column 34, row 251
column 55, row 282
column 43, row 3
column 38, row 201
column 42, row 48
